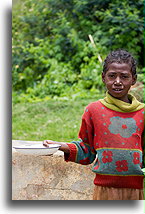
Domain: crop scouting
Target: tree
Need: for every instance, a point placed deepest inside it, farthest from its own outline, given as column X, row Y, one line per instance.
column 51, row 44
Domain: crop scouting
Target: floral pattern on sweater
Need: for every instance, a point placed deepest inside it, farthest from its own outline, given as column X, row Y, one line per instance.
column 114, row 142
column 123, row 126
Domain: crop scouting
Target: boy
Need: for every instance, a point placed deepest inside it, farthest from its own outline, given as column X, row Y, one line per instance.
column 112, row 129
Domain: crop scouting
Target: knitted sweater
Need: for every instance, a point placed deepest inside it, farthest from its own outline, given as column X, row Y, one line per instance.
column 113, row 139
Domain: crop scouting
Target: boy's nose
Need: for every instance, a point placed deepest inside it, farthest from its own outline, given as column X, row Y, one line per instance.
column 118, row 81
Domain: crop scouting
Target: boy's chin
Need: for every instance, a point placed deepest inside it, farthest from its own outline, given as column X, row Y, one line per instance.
column 117, row 95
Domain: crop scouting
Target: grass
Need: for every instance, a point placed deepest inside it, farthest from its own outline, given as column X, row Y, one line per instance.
column 53, row 120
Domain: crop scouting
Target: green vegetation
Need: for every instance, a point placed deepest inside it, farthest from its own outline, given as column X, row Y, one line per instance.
column 54, row 120
column 56, row 69
column 52, row 54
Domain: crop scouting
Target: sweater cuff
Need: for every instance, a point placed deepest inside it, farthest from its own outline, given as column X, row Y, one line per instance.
column 72, row 155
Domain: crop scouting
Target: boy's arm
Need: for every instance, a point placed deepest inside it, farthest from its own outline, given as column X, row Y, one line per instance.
column 83, row 151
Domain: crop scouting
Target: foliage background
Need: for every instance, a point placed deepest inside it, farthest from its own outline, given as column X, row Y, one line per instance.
column 53, row 57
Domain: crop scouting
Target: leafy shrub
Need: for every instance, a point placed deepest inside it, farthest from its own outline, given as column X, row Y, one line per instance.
column 52, row 54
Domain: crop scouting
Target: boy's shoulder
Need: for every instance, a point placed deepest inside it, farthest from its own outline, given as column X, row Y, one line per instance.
column 94, row 105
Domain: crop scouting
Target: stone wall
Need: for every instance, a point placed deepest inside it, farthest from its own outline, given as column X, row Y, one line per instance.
column 50, row 178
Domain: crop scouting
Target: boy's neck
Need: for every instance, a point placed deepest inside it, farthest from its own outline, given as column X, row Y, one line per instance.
column 127, row 100
column 124, row 99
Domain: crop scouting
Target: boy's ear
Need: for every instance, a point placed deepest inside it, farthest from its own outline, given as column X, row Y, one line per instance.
column 134, row 79
column 103, row 77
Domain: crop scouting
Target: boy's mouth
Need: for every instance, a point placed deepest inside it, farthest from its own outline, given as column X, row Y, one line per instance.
column 117, row 89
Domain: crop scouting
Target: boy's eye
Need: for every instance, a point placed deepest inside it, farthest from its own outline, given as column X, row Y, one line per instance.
column 124, row 77
column 111, row 75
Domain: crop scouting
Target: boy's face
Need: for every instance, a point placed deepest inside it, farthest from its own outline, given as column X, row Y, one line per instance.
column 118, row 80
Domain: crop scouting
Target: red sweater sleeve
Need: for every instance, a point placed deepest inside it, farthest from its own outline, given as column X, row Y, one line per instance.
column 82, row 151
column 73, row 152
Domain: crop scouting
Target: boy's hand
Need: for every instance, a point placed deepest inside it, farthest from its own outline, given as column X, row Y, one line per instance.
column 64, row 147
column 47, row 142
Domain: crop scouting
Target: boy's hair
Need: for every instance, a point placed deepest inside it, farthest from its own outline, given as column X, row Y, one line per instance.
column 120, row 56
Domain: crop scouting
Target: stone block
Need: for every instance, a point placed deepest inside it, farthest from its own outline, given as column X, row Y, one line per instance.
column 50, row 178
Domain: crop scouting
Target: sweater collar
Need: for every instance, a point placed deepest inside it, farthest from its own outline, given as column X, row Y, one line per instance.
column 120, row 106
